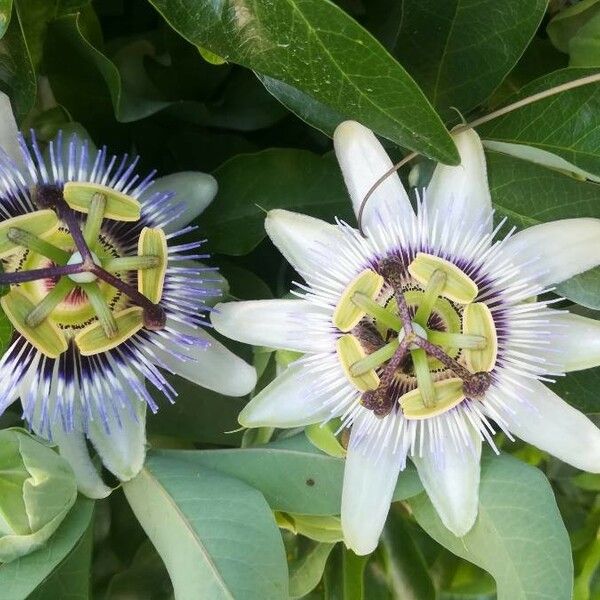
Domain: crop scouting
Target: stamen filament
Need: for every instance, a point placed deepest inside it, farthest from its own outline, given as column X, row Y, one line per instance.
column 423, row 375
column 54, row 297
column 101, row 308
column 456, row 340
column 35, row 244
column 94, row 219
column 434, row 288
column 378, row 312
column 131, row 263
column 375, row 359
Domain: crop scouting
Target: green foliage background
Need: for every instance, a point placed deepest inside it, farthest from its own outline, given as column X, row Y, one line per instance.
column 250, row 90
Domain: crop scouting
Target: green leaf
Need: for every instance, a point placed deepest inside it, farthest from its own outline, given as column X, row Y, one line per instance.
column 250, row 184
column 5, row 11
column 103, row 85
column 580, row 389
column 72, row 579
column 314, row 46
column 519, row 537
column 405, row 566
column 215, row 534
column 17, row 73
column 198, row 415
column 459, row 51
column 291, row 473
column 576, row 31
column 567, row 124
column 528, row 194
column 307, row 566
column 21, row 577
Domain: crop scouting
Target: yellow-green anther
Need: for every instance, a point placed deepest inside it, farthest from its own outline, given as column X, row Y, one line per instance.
column 348, row 313
column 130, row 263
column 448, row 394
column 40, row 223
column 459, row 287
column 153, row 243
column 423, row 375
column 32, row 242
column 478, row 320
column 379, row 313
column 375, row 359
column 95, row 216
column 52, row 299
column 456, row 340
column 434, row 288
column 101, row 308
column 93, row 340
column 349, row 352
column 119, row 207
column 46, row 337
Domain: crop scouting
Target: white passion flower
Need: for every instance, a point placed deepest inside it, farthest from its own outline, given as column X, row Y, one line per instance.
column 103, row 294
column 422, row 334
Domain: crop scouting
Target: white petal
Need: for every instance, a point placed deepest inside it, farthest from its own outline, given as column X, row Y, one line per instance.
column 451, row 479
column 196, row 189
column 280, row 324
column 123, row 449
column 548, row 422
column 212, row 365
column 73, row 447
column 8, row 131
column 459, row 197
column 557, row 250
column 290, row 400
column 370, row 477
column 575, row 343
column 363, row 161
column 303, row 240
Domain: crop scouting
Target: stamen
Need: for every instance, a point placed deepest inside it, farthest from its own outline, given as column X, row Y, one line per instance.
column 375, row 359
column 448, row 394
column 32, row 242
column 423, row 375
column 349, row 353
column 378, row 312
column 447, row 361
column 456, row 340
column 347, row 314
column 101, row 308
column 94, row 219
column 58, row 293
column 478, row 320
column 41, row 222
column 130, row 263
column 434, row 288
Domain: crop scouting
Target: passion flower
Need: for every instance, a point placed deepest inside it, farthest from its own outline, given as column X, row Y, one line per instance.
column 423, row 334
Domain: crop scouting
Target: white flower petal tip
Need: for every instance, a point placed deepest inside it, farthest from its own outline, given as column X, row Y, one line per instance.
column 9, row 131
column 303, row 240
column 459, row 197
column 194, row 188
column 363, row 160
column 279, row 324
column 122, row 449
column 557, row 250
column 451, row 480
column 370, row 477
column 209, row 363
column 288, row 401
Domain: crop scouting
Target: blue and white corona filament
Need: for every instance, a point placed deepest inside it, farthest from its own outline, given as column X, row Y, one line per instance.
column 105, row 294
column 423, row 334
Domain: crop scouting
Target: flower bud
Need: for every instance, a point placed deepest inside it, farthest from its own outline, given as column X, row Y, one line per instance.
column 37, row 490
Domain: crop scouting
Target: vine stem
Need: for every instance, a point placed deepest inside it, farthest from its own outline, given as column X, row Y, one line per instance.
column 553, row 91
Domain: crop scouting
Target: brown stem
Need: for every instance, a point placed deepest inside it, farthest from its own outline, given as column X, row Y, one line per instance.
column 35, row 274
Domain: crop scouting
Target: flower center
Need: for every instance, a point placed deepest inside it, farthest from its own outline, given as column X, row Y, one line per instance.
column 70, row 280
column 413, row 337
